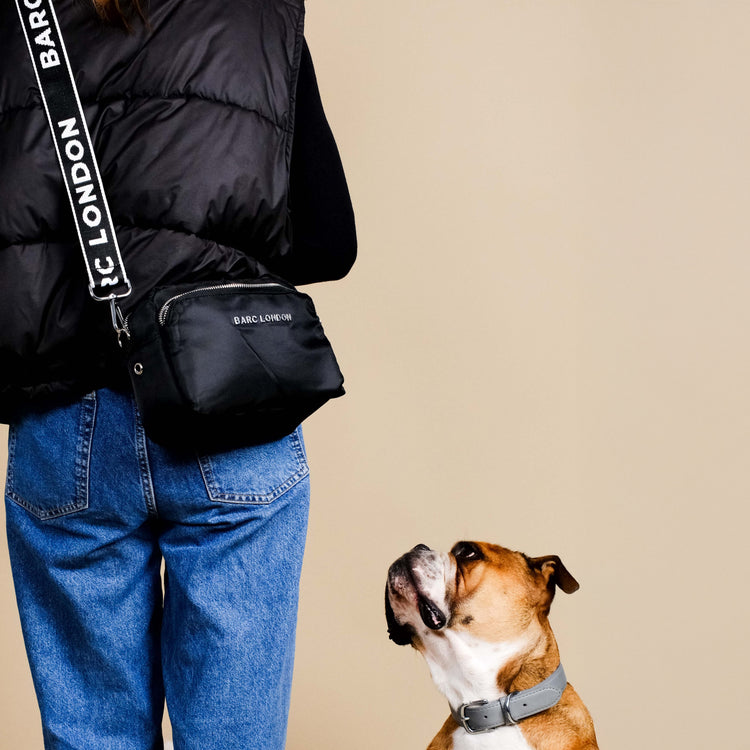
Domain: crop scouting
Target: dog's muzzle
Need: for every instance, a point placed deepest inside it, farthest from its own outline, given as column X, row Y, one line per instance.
column 410, row 579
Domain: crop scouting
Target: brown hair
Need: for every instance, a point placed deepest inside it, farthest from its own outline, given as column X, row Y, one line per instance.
column 119, row 12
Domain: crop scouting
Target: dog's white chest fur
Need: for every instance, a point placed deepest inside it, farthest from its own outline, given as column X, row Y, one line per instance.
column 465, row 669
column 504, row 738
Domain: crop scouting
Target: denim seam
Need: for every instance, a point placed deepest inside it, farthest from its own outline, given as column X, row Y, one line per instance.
column 254, row 498
column 298, row 449
column 83, row 452
column 82, row 465
column 147, row 484
column 11, row 465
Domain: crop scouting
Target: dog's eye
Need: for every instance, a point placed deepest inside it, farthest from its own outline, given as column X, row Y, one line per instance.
column 466, row 551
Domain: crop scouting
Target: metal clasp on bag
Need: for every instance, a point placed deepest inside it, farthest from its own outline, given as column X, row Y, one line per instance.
column 119, row 323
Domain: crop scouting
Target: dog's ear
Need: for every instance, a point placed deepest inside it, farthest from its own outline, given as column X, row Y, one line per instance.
column 401, row 635
column 555, row 573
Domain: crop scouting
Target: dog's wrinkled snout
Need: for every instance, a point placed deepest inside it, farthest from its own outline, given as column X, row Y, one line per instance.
column 399, row 570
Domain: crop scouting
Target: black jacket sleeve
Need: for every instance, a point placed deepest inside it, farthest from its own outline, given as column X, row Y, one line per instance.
column 324, row 240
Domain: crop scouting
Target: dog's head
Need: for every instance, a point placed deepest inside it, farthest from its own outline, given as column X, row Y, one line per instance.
column 486, row 590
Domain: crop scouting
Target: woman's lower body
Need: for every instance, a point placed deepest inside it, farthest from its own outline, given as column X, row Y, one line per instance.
column 93, row 507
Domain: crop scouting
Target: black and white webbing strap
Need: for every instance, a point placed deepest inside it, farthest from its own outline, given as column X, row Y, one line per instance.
column 484, row 716
column 80, row 169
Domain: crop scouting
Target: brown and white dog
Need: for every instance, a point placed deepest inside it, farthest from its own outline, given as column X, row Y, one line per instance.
column 479, row 616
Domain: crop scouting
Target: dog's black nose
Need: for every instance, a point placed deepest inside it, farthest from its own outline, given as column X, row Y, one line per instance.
column 421, row 548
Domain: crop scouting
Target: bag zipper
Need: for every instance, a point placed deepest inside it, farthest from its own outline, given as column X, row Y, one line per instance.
column 164, row 311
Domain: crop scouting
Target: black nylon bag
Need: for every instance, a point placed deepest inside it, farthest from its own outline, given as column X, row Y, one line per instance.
column 216, row 366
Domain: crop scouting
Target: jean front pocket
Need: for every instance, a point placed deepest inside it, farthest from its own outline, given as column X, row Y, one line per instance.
column 257, row 474
column 48, row 459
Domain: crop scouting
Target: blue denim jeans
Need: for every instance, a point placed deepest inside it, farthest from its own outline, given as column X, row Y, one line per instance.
column 93, row 507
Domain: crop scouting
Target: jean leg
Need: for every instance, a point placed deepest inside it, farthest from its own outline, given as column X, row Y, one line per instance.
column 86, row 570
column 233, row 546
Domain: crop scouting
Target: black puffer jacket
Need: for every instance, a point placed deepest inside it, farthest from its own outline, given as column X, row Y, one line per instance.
column 193, row 123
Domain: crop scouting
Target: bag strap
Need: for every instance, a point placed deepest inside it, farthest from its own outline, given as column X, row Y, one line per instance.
column 75, row 154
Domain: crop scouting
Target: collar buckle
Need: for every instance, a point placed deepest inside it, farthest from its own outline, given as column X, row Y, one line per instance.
column 504, row 719
column 465, row 720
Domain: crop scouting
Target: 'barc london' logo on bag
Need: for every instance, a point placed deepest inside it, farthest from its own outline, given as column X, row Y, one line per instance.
column 249, row 320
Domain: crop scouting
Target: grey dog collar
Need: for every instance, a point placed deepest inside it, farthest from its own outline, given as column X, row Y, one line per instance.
column 484, row 716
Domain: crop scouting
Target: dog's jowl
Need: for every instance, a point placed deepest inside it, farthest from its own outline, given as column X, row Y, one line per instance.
column 479, row 616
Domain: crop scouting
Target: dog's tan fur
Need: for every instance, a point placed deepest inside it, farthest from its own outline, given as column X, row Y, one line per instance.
column 505, row 597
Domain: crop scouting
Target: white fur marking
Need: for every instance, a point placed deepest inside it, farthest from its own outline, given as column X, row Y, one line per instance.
column 505, row 738
column 465, row 668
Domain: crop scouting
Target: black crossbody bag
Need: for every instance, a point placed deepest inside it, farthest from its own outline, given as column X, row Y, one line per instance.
column 212, row 365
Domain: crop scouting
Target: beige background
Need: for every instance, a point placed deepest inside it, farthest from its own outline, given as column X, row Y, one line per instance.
column 546, row 346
